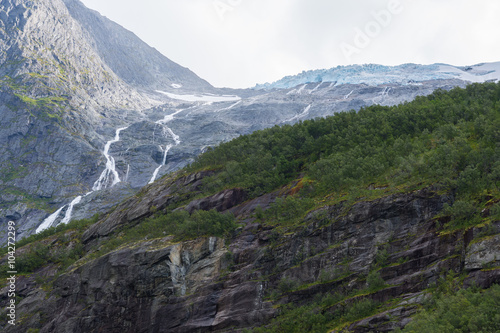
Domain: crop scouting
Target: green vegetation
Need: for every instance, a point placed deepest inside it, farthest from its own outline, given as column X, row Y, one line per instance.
column 77, row 225
column 468, row 310
column 331, row 311
column 179, row 224
column 10, row 172
column 51, row 107
column 41, row 252
column 448, row 139
column 286, row 211
column 375, row 282
column 183, row 226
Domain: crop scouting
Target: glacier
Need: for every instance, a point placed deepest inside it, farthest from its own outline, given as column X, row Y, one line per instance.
column 373, row 75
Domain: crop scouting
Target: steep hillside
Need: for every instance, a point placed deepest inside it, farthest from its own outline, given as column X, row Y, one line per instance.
column 64, row 91
column 354, row 222
column 130, row 58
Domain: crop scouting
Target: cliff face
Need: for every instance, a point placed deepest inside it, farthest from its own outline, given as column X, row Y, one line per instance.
column 46, row 53
column 135, row 62
column 210, row 284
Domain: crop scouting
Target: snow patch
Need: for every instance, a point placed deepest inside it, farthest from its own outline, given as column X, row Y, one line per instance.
column 306, row 111
column 202, row 97
column 349, row 94
column 301, row 88
column 229, row 107
column 316, row 88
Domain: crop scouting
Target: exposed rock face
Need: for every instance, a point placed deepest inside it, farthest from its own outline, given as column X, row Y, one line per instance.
column 221, row 201
column 210, row 285
column 61, row 100
column 136, row 208
column 47, row 51
column 130, row 58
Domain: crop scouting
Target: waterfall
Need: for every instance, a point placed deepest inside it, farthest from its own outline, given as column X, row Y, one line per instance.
column 167, row 131
column 101, row 183
column 155, row 174
column 47, row 223
column 128, row 170
column 104, row 179
column 172, row 134
column 67, row 217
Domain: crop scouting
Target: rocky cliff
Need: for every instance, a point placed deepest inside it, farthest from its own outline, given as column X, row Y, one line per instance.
column 211, row 284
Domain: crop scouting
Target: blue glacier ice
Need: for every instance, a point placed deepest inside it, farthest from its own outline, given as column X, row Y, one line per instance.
column 372, row 74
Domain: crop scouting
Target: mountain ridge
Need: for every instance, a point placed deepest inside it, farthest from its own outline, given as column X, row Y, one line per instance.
column 130, row 58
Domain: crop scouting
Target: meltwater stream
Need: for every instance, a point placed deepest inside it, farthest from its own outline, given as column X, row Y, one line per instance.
column 166, row 131
column 155, row 173
column 110, row 170
column 47, row 223
column 109, row 177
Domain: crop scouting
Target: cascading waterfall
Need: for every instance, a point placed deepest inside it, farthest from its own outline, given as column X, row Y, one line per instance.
column 128, row 170
column 155, row 174
column 69, row 211
column 47, row 223
column 101, row 183
column 104, row 179
column 166, row 131
column 172, row 134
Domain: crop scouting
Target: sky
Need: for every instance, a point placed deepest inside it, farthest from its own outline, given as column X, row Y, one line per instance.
column 239, row 43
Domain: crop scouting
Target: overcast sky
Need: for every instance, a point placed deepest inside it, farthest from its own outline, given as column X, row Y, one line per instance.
column 238, row 43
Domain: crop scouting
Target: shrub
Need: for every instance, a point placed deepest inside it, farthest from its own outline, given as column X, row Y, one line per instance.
column 374, row 281
column 463, row 213
column 359, row 310
column 287, row 284
column 468, row 310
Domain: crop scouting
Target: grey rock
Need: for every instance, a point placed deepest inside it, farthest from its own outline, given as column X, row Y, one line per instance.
column 205, row 285
column 483, row 253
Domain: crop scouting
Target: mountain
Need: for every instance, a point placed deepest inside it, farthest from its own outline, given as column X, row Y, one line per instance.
column 132, row 60
column 90, row 114
column 67, row 80
column 371, row 221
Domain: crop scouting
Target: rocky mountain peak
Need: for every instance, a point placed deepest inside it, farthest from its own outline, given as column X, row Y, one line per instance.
column 47, row 54
column 130, row 58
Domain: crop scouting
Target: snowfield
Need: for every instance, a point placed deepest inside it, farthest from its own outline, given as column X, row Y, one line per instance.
column 202, row 97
